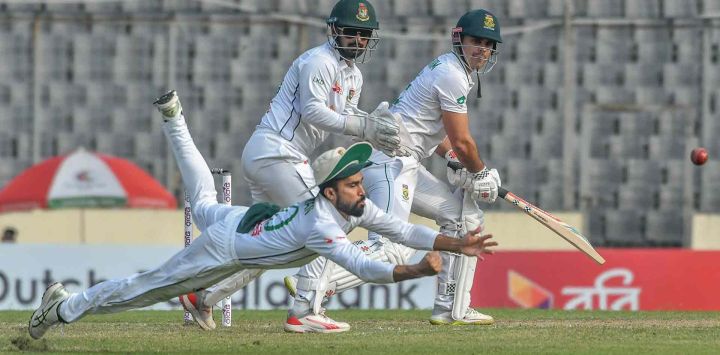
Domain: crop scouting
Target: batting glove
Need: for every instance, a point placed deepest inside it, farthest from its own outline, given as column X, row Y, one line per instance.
column 484, row 185
column 457, row 177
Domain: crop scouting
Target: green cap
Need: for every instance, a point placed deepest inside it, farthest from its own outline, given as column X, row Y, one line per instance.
column 479, row 23
column 340, row 163
column 354, row 13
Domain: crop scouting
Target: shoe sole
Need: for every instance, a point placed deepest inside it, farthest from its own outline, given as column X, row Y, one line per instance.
column 289, row 286
column 290, row 328
column 165, row 98
column 195, row 313
column 49, row 291
column 459, row 322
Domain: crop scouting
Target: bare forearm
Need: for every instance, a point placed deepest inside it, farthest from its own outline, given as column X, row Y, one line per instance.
column 409, row 272
column 466, row 151
column 445, row 243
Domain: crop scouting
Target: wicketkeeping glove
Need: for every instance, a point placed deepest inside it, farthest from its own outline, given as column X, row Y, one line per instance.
column 380, row 128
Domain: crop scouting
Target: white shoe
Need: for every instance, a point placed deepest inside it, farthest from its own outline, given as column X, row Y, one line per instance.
column 202, row 314
column 472, row 317
column 314, row 323
column 169, row 105
column 46, row 315
column 291, row 285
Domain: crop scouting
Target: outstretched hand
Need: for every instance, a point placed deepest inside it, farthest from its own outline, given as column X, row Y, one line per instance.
column 428, row 266
column 431, row 264
column 477, row 245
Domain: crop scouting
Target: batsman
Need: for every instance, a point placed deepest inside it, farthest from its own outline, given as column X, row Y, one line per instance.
column 434, row 118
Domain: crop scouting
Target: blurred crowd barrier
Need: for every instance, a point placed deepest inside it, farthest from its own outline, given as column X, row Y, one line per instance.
column 514, row 231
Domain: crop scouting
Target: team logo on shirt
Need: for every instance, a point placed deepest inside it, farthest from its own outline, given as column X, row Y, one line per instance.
column 337, row 88
column 277, row 221
column 489, row 22
column 351, row 94
column 362, row 13
column 461, row 100
column 405, row 192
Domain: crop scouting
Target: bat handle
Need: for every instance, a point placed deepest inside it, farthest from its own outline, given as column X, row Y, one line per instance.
column 502, row 192
column 457, row 166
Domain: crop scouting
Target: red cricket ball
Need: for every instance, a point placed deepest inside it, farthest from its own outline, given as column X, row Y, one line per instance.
column 699, row 156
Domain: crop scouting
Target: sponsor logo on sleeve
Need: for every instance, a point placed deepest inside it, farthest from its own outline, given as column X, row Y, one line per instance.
column 330, row 240
column 318, row 80
column 461, row 100
column 434, row 64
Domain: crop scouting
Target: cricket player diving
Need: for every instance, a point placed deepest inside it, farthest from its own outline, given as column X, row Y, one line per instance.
column 260, row 237
column 319, row 95
column 435, row 119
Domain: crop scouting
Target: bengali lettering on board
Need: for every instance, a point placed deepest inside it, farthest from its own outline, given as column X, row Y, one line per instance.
column 631, row 279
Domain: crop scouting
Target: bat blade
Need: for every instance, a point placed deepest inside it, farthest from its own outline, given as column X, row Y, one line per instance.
column 566, row 231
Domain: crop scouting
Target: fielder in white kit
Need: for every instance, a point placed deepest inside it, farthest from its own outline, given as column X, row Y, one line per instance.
column 434, row 113
column 319, row 95
column 260, row 237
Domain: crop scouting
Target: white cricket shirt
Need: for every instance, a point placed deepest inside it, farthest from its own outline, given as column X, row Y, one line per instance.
column 299, row 233
column 443, row 85
column 317, row 91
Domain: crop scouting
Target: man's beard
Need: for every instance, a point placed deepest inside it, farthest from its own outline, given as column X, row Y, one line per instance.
column 352, row 209
column 351, row 51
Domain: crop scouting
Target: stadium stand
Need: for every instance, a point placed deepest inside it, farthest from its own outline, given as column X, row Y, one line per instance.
column 643, row 89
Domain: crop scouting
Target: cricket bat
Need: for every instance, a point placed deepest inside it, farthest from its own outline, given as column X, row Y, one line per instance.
column 566, row 231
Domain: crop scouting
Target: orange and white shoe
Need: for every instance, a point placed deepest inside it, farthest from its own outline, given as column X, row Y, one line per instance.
column 193, row 303
column 314, row 323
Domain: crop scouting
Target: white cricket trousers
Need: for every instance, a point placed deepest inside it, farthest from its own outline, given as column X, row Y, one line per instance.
column 402, row 185
column 209, row 259
column 282, row 180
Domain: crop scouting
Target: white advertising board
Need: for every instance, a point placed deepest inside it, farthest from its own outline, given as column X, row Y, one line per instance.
column 25, row 270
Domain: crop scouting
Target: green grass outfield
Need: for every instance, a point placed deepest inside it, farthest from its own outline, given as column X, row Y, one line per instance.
column 390, row 332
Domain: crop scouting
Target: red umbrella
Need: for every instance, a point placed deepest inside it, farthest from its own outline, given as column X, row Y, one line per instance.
column 83, row 179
